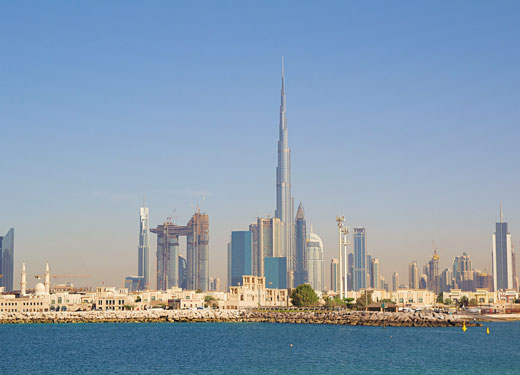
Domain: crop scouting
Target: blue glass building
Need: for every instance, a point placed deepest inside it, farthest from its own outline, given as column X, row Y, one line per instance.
column 300, row 273
column 502, row 257
column 360, row 259
column 240, row 256
column 7, row 255
column 275, row 269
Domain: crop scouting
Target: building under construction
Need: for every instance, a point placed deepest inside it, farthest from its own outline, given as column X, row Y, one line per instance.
column 197, row 234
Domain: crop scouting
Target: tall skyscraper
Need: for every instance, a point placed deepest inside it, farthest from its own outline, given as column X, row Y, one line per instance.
column 253, row 229
column 433, row 276
column 334, row 275
column 413, row 275
column 183, row 273
column 240, row 256
column 197, row 233
column 7, row 256
column 314, row 261
column 269, row 241
column 276, row 272
column 360, row 259
column 370, row 276
column 502, row 256
column 284, row 200
column 143, row 267
column 350, row 271
column 462, row 273
column 300, row 273
column 395, row 282
column 376, row 274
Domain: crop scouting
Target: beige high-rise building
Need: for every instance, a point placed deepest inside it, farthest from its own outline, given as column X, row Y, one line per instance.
column 413, row 275
column 395, row 282
column 334, row 275
column 269, row 241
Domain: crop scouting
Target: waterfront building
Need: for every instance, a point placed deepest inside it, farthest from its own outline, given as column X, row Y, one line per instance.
column 143, row 267
column 269, row 241
column 502, row 256
column 240, row 256
column 253, row 292
column 197, row 233
column 334, row 275
column 300, row 273
column 360, row 259
column 395, row 281
column 413, row 275
column 7, row 260
column 284, row 200
column 315, row 262
column 276, row 272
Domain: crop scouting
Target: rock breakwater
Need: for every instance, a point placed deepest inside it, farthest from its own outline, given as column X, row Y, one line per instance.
column 341, row 317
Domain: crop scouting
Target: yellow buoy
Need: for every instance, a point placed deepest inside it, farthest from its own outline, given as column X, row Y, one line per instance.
column 464, row 327
column 487, row 330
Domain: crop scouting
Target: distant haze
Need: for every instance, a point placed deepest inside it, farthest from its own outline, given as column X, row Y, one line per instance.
column 402, row 116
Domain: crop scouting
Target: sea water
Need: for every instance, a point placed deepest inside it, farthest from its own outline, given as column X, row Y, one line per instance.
column 256, row 348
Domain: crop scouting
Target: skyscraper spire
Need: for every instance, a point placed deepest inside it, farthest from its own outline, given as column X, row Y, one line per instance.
column 501, row 213
column 284, row 201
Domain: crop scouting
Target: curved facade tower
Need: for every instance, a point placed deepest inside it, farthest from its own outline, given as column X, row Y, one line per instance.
column 284, row 200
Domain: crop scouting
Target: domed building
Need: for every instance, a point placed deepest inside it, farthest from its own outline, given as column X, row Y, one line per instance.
column 39, row 290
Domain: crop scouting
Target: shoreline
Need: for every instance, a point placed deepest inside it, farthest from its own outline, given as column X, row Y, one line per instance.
column 342, row 317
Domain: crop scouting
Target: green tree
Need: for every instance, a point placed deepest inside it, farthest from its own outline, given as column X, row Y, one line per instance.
column 447, row 301
column 439, row 298
column 364, row 300
column 304, row 295
column 473, row 302
column 334, row 301
column 464, row 302
column 210, row 301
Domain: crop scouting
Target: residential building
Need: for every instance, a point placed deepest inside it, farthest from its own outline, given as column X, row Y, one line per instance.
column 269, row 241
column 360, row 259
column 395, row 281
column 315, row 263
column 413, row 275
column 334, row 275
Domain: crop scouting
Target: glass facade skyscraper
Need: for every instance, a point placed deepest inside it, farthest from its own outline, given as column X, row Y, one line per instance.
column 7, row 255
column 300, row 274
column 240, row 256
column 360, row 259
column 275, row 272
column 143, row 267
column 502, row 257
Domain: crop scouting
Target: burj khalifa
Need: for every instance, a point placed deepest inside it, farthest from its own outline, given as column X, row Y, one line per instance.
column 284, row 200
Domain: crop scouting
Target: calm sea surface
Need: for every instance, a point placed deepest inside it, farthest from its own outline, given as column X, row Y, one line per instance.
column 256, row 348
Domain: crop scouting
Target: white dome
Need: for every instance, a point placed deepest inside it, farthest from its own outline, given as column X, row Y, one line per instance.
column 39, row 289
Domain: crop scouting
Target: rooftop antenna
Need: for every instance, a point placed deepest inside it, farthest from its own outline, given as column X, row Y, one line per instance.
column 501, row 213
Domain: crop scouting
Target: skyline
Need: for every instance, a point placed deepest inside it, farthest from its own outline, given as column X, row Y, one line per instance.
column 424, row 161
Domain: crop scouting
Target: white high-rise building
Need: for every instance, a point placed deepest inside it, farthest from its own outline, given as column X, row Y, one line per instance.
column 143, row 267
column 315, row 265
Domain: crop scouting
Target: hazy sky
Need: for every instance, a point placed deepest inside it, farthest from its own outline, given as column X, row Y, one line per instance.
column 403, row 116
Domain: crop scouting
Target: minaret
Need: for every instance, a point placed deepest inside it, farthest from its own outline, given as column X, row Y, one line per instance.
column 284, row 201
column 47, row 279
column 23, row 282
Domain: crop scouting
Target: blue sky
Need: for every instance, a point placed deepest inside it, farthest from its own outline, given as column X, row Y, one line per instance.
column 403, row 116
